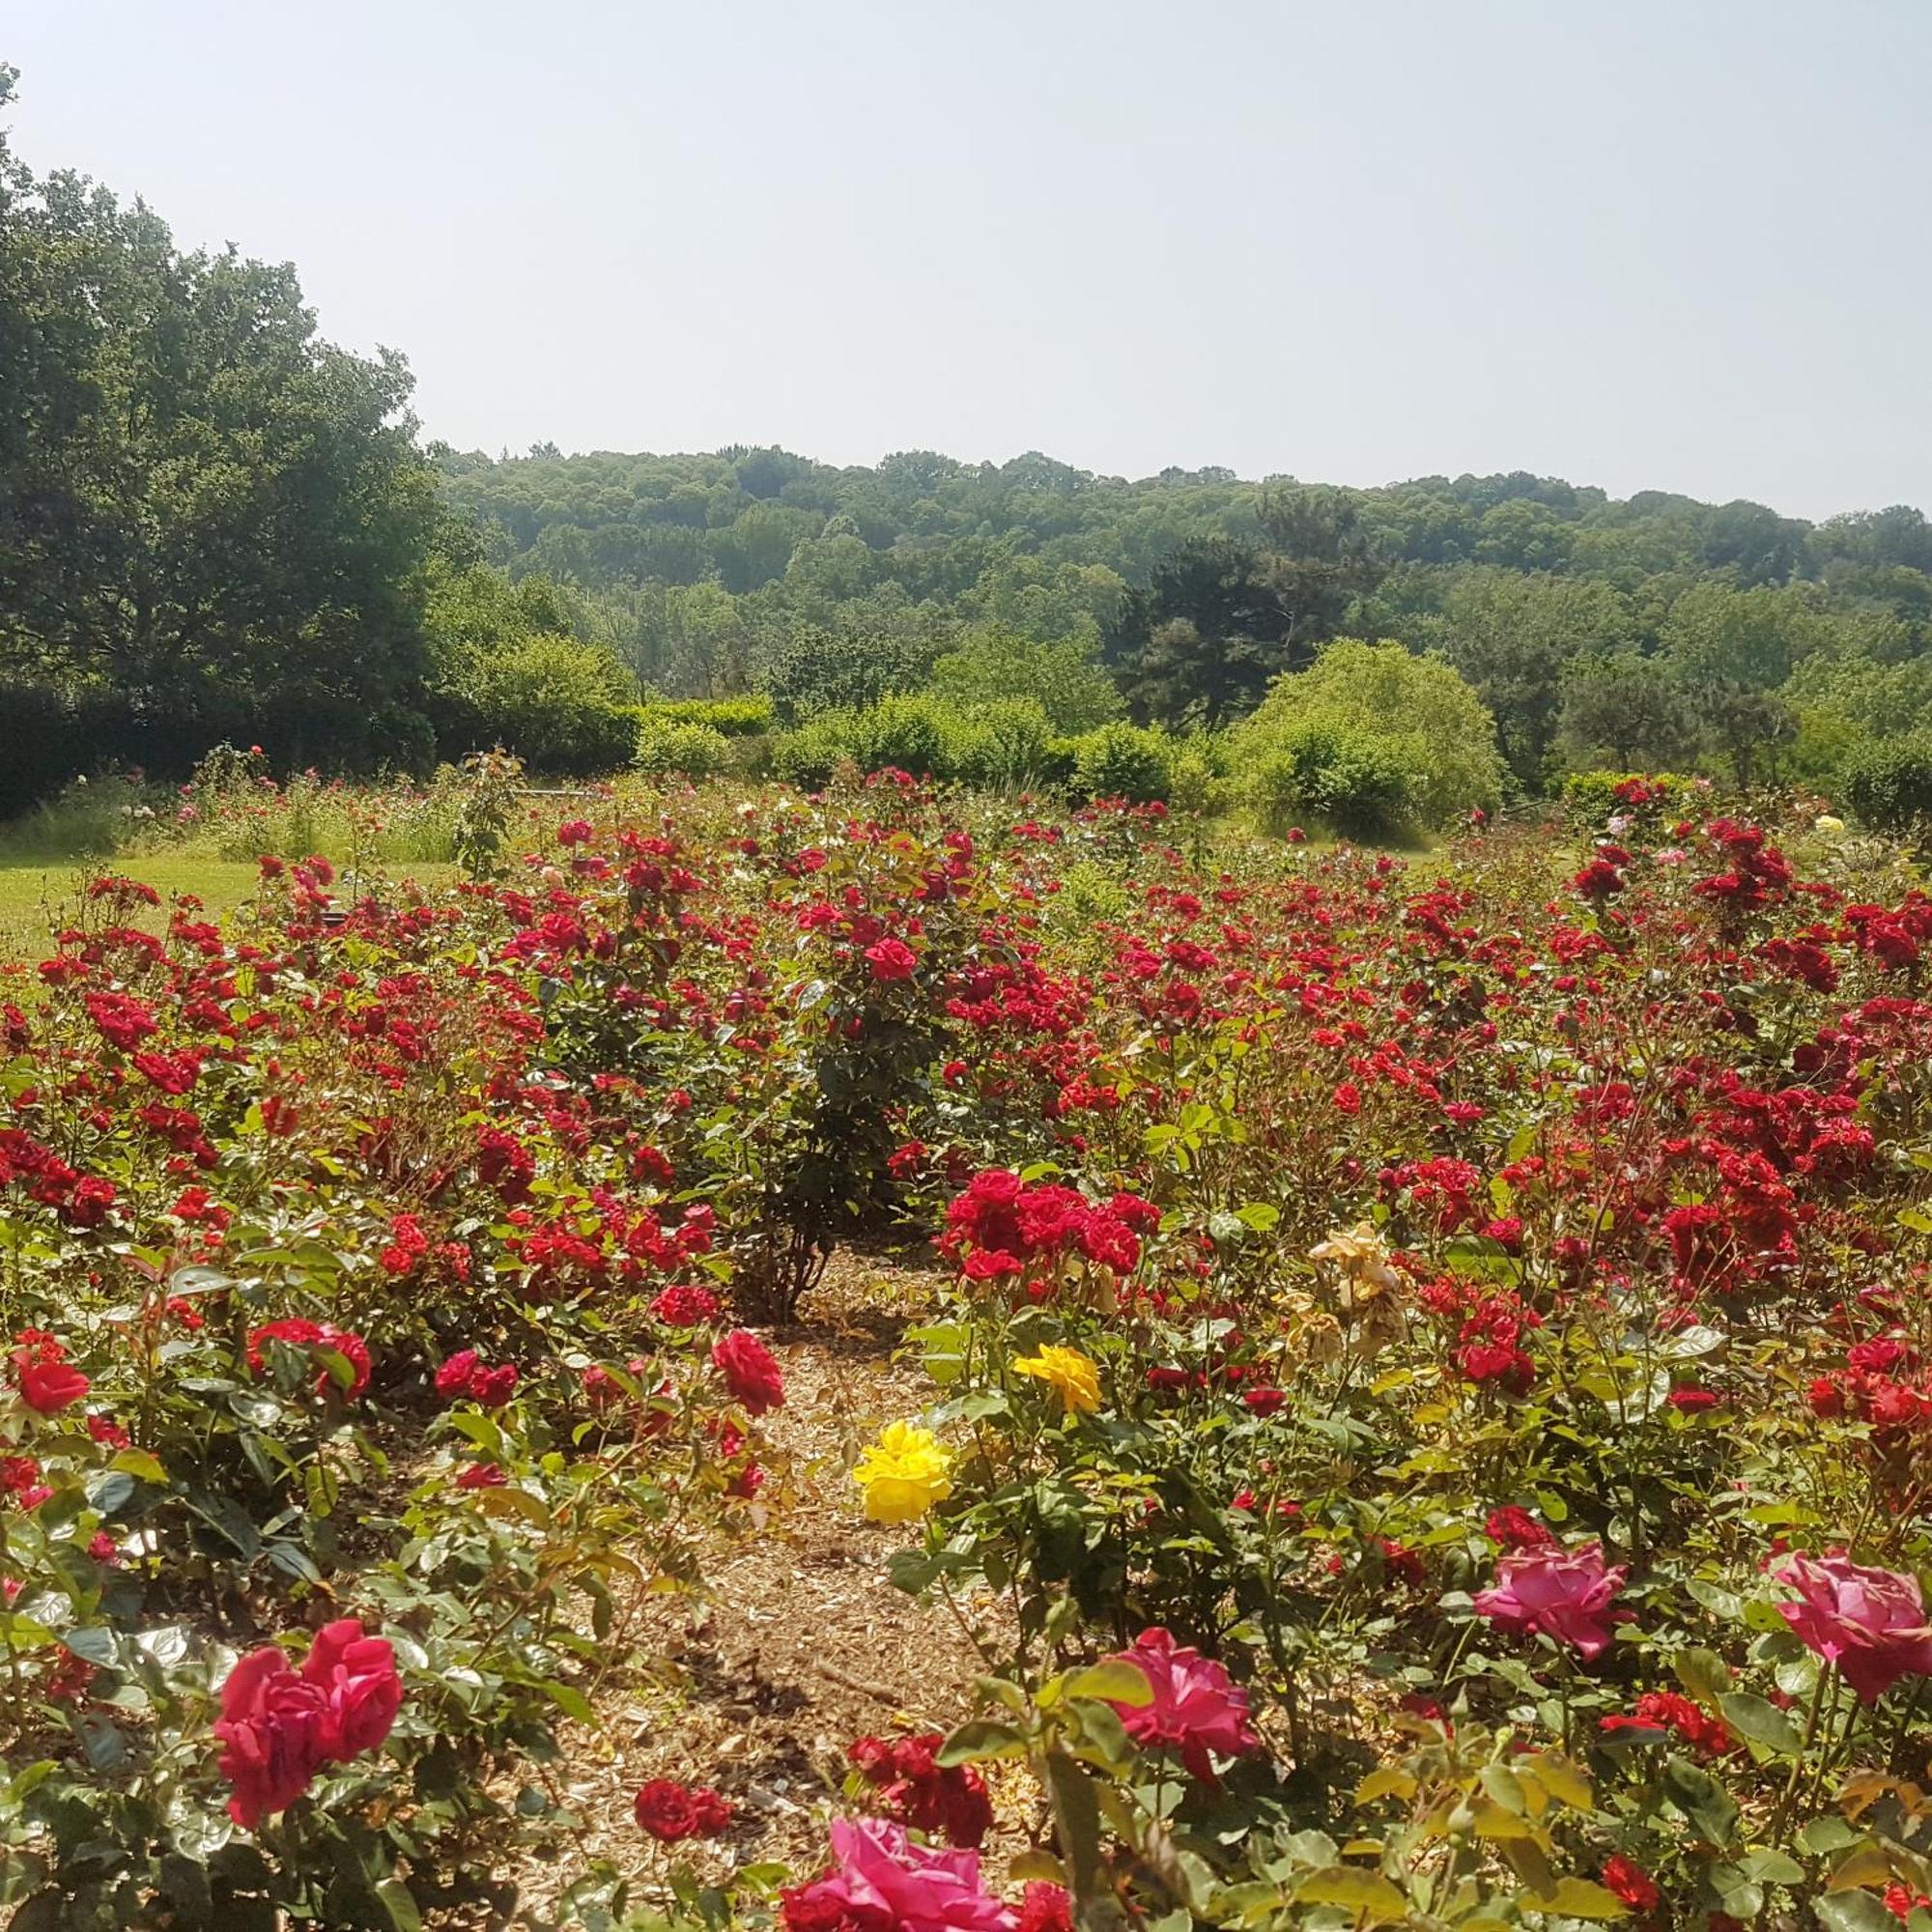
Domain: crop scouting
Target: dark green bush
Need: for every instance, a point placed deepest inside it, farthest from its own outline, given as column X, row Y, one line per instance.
column 1123, row 762
column 1352, row 780
column 1888, row 785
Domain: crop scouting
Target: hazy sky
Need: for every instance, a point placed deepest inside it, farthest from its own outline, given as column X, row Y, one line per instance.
column 1677, row 245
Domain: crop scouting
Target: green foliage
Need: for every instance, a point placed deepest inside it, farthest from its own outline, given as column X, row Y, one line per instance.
column 693, row 751
column 1430, row 727
column 1063, row 676
column 817, row 669
column 1125, row 762
column 1629, row 709
column 1005, row 746
column 729, row 717
column 1351, row 779
column 560, row 704
column 1592, row 797
column 212, row 517
column 1890, row 785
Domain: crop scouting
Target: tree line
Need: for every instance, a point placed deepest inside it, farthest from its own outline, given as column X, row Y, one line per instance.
column 216, row 526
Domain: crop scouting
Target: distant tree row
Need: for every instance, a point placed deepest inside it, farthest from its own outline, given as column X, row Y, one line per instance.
column 1657, row 630
column 215, row 525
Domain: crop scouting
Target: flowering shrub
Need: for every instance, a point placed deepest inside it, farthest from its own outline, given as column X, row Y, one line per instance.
column 1431, row 1392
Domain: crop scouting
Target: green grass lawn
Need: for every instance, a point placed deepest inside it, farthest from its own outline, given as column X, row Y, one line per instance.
column 36, row 893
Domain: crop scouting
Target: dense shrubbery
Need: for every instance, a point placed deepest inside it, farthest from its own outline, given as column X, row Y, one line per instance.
column 1429, row 1422
column 1889, row 786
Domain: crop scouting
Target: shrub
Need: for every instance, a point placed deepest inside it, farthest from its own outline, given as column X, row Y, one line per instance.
column 807, row 756
column 1125, row 762
column 693, row 751
column 1359, row 784
column 1005, row 746
column 909, row 733
column 1418, row 707
column 1591, row 797
column 557, row 702
column 1890, row 785
column 743, row 717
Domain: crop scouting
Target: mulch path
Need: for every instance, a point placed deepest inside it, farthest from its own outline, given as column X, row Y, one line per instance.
column 799, row 1642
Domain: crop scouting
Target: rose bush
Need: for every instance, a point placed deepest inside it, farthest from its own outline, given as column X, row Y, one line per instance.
column 1431, row 1417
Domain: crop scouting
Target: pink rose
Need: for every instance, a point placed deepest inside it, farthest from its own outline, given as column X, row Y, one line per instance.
column 880, row 1878
column 1560, row 1592
column 1870, row 1623
column 1197, row 1709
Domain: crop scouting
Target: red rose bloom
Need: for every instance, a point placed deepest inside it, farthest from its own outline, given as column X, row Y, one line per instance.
column 749, row 1370
column 1630, row 1883
column 48, row 1383
column 279, row 1727
column 671, row 1813
column 892, row 959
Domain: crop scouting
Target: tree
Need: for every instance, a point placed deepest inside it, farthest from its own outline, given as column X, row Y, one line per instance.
column 1200, row 641
column 1417, row 705
column 203, row 508
column 1065, row 677
column 1514, row 636
column 1322, row 557
column 1626, row 711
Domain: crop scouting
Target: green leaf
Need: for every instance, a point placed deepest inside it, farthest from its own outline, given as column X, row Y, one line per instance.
column 1583, row 1898
column 1368, row 1894
column 568, row 1700
column 1772, row 1868
column 1703, row 1673
column 1711, row 1809
column 400, row 1904
column 984, row 1738
column 1853, row 1912
column 1076, row 1811
column 1762, row 1722
column 109, row 1491
column 1824, row 1835
column 1115, row 1680
column 142, row 1466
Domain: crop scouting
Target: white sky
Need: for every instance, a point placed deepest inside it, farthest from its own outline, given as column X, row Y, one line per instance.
column 1655, row 244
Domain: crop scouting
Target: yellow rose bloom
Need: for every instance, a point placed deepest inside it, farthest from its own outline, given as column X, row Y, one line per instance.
column 1068, row 1374
column 903, row 1473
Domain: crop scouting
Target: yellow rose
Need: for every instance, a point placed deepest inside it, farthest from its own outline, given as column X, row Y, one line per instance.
column 903, row 1473
column 1068, row 1374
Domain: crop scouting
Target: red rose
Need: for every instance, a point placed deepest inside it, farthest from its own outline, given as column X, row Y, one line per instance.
column 48, row 1387
column 357, row 1675
column 1630, row 1883
column 670, row 1811
column 271, row 1727
column 452, row 1380
column 279, row 1727
column 749, row 1371
column 892, row 959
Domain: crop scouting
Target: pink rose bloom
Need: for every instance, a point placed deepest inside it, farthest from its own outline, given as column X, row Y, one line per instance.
column 1198, row 1709
column 358, row 1675
column 1560, row 1592
column 880, row 1878
column 1870, row 1623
